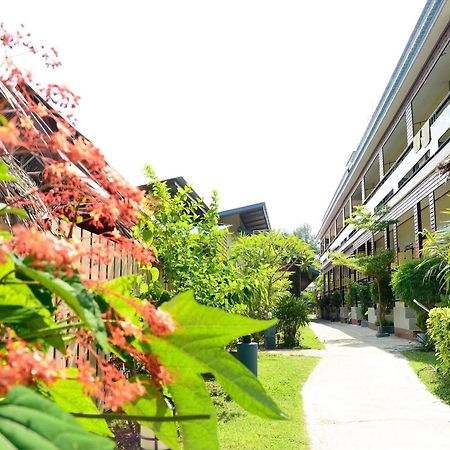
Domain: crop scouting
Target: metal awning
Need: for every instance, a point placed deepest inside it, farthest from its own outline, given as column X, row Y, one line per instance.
column 253, row 217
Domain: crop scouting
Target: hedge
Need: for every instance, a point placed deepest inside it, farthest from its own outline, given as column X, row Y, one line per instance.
column 439, row 331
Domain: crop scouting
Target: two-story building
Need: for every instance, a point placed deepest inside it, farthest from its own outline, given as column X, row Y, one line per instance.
column 396, row 162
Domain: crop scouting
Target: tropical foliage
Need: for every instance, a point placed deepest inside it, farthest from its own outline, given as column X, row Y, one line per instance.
column 376, row 266
column 410, row 282
column 292, row 314
column 118, row 349
column 439, row 330
column 269, row 259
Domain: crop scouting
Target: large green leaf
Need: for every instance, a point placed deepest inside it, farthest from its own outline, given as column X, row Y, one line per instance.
column 202, row 334
column 29, row 421
column 196, row 347
column 75, row 295
column 22, row 310
column 32, row 323
column 155, row 406
column 68, row 394
column 191, row 397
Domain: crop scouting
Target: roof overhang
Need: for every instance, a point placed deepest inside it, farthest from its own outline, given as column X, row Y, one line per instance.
column 180, row 183
column 431, row 25
column 253, row 217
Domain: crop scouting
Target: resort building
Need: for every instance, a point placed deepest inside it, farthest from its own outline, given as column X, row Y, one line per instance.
column 396, row 164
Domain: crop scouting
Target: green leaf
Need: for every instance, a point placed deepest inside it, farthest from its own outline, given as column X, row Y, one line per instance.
column 4, row 173
column 75, row 295
column 21, row 299
column 155, row 405
column 202, row 334
column 17, row 314
column 196, row 347
column 191, row 397
column 147, row 235
column 113, row 293
column 29, row 322
column 29, row 421
column 154, row 273
column 68, row 394
column 4, row 209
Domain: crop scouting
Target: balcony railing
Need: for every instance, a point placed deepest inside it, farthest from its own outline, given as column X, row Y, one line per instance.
column 415, row 167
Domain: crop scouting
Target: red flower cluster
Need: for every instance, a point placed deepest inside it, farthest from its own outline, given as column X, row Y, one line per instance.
column 44, row 248
column 21, row 365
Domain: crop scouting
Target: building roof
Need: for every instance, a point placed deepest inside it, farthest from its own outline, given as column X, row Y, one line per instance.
column 253, row 217
column 180, row 183
column 432, row 22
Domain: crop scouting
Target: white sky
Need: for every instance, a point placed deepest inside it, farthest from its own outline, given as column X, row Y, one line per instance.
column 261, row 100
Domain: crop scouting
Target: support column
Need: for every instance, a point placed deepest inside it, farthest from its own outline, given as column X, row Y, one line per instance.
column 409, row 123
column 432, row 205
column 363, row 191
column 386, row 238
column 417, row 230
column 395, row 234
column 381, row 163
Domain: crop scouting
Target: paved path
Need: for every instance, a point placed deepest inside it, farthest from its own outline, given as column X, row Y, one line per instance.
column 363, row 395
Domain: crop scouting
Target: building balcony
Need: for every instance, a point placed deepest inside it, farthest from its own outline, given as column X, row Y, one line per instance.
column 429, row 146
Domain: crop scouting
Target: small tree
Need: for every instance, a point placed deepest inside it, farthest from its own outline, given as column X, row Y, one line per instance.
column 268, row 259
column 292, row 314
column 191, row 248
column 304, row 232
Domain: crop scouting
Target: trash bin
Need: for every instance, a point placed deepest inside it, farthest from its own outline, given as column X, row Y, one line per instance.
column 247, row 354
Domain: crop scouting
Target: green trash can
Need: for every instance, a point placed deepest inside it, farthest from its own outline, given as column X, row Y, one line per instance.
column 247, row 354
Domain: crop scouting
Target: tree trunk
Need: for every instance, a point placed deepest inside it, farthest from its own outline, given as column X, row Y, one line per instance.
column 380, row 305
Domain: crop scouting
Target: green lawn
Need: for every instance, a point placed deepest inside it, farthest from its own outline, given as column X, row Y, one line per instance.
column 309, row 340
column 283, row 377
column 424, row 364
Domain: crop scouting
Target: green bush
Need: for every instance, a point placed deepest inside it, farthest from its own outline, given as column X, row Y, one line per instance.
column 350, row 295
column 363, row 293
column 336, row 299
column 387, row 294
column 292, row 313
column 439, row 331
column 410, row 282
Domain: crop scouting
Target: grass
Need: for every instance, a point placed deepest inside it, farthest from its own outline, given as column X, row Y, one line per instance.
column 309, row 340
column 283, row 378
column 424, row 365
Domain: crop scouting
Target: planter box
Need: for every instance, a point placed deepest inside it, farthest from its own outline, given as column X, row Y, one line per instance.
column 343, row 314
column 356, row 315
column 388, row 329
column 364, row 323
column 405, row 321
column 371, row 318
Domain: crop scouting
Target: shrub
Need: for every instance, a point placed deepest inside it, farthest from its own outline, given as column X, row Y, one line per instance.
column 387, row 295
column 336, row 299
column 363, row 294
column 292, row 313
column 439, row 331
column 410, row 282
column 350, row 295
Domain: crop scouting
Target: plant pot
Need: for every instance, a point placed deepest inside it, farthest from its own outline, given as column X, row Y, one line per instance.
column 422, row 338
column 385, row 331
column 388, row 329
column 364, row 323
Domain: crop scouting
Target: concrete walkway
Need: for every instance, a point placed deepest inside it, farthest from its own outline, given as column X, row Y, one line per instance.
column 363, row 395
